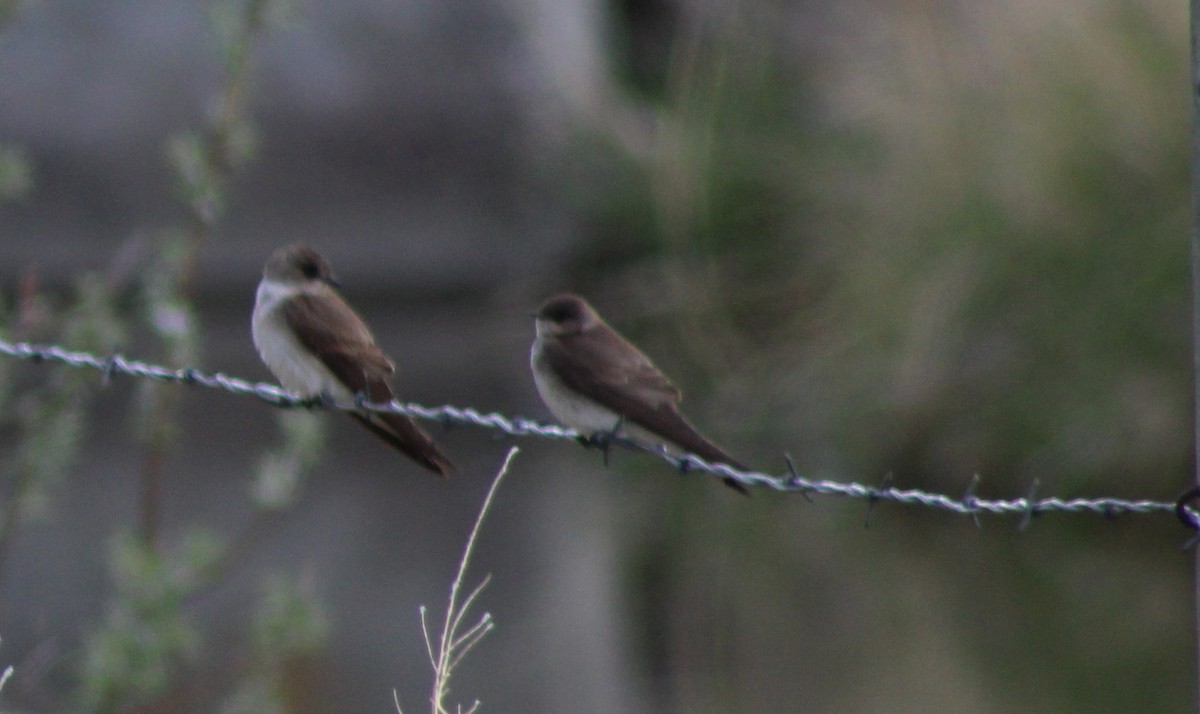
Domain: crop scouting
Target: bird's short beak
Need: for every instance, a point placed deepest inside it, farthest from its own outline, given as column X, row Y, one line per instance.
column 334, row 282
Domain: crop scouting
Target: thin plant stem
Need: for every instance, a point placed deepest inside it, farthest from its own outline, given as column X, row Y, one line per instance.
column 455, row 642
column 451, row 649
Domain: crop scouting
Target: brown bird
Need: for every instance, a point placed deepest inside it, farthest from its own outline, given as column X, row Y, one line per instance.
column 318, row 347
column 597, row 382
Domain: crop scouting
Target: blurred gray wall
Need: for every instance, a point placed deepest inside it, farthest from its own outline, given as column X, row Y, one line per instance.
column 404, row 141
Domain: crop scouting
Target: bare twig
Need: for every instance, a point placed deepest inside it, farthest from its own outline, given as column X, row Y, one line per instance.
column 454, row 641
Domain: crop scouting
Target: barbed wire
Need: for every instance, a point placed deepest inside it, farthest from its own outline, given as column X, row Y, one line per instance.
column 1027, row 507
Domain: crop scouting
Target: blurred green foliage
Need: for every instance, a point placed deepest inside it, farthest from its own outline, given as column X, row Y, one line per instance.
column 940, row 240
column 50, row 416
column 16, row 170
column 277, row 478
column 288, row 631
column 142, row 651
column 955, row 265
column 137, row 652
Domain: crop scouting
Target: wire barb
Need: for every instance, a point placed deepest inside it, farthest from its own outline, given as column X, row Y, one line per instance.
column 106, row 372
column 789, row 482
column 968, row 500
column 794, row 477
column 877, row 494
column 1031, row 508
column 1188, row 517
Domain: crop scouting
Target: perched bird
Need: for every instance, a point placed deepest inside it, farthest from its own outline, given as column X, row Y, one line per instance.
column 597, row 382
column 317, row 346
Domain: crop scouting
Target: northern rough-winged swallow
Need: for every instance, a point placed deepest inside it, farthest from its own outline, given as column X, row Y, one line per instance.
column 594, row 380
column 317, row 346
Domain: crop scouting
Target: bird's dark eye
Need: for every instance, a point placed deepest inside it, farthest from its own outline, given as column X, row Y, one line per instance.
column 562, row 312
column 310, row 269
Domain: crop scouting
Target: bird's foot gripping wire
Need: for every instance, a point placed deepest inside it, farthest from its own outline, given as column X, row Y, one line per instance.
column 603, row 440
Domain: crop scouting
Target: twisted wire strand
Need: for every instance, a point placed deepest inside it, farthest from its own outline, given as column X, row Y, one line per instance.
column 968, row 504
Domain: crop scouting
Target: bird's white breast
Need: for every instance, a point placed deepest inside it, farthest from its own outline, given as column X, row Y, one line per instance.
column 296, row 368
column 571, row 408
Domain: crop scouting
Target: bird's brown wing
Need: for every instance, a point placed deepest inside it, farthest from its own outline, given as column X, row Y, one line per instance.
column 605, row 367
column 335, row 334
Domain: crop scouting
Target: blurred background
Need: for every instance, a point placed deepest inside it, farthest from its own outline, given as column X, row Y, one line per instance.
column 925, row 239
